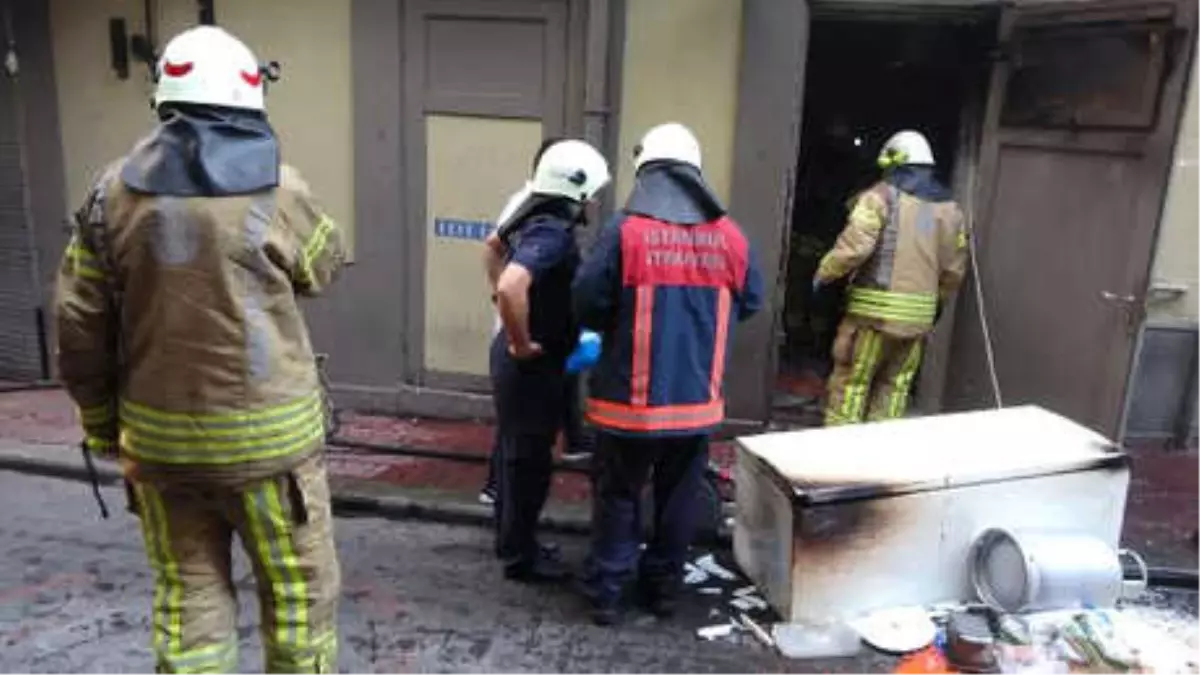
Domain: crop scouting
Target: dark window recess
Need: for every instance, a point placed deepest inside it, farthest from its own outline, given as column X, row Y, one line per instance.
column 208, row 14
column 1099, row 76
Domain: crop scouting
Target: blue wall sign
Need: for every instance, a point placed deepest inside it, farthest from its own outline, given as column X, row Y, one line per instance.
column 453, row 228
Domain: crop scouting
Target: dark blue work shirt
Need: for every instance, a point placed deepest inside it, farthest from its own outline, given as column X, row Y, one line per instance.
column 528, row 394
column 546, row 247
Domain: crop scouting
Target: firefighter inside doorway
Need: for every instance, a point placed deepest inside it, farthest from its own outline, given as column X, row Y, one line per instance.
column 866, row 78
column 904, row 249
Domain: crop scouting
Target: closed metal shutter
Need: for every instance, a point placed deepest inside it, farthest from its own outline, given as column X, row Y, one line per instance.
column 20, row 354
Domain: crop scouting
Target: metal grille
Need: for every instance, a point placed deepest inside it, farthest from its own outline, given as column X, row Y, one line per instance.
column 20, row 355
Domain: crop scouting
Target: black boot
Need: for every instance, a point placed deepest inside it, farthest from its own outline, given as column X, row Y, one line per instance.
column 545, row 567
column 660, row 598
column 603, row 612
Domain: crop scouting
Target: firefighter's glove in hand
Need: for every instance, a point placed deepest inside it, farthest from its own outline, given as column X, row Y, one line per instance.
column 586, row 354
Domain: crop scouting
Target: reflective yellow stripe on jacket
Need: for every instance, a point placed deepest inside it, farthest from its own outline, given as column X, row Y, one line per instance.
column 314, row 246
column 182, row 438
column 914, row 308
column 82, row 262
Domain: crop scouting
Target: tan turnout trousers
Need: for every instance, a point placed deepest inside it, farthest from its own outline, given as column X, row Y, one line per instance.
column 286, row 526
column 873, row 373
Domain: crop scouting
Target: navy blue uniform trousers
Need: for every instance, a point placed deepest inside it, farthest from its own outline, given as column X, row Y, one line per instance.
column 622, row 468
column 528, row 396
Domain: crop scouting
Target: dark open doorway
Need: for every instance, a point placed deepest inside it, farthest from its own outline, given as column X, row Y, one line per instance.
column 866, row 79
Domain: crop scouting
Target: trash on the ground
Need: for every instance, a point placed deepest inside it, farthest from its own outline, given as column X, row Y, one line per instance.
column 896, row 630
column 1030, row 659
column 1162, row 641
column 1132, row 639
column 756, row 630
column 709, row 564
column 747, row 603
column 711, row 633
column 826, row 640
column 970, row 646
column 709, row 590
column 694, row 575
column 714, row 612
column 1012, row 630
column 928, row 660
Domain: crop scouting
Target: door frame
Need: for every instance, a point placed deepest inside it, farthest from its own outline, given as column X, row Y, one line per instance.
column 767, row 147
column 771, row 75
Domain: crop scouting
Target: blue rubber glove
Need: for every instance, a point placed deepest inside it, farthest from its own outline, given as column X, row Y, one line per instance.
column 586, row 354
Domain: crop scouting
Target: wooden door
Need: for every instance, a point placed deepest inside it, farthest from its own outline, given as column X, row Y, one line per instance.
column 485, row 81
column 1077, row 142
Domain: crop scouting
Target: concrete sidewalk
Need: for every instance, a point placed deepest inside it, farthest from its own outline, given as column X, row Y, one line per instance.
column 39, row 434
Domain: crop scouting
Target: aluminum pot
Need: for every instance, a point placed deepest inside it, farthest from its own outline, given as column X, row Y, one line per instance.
column 1036, row 570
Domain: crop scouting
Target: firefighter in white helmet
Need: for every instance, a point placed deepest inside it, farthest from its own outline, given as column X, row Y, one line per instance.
column 529, row 353
column 181, row 339
column 904, row 251
column 665, row 284
column 579, row 442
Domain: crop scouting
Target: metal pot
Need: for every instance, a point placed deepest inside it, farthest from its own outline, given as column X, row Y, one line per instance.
column 1031, row 570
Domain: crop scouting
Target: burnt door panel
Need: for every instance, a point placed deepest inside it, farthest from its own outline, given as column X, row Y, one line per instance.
column 1075, row 157
column 767, row 143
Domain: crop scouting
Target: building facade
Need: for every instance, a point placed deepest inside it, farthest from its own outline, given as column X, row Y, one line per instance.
column 414, row 119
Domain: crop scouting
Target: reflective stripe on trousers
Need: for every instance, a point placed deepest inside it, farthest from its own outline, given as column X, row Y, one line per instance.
column 286, row 526
column 872, row 376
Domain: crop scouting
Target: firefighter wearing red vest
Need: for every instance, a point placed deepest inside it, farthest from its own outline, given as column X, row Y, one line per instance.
column 905, row 252
column 664, row 284
column 181, row 339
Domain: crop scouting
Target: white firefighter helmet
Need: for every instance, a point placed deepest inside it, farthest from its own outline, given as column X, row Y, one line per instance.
column 668, row 142
column 207, row 65
column 571, row 169
column 905, row 147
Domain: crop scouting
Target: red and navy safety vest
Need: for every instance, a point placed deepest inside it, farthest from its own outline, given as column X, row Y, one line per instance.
column 665, row 297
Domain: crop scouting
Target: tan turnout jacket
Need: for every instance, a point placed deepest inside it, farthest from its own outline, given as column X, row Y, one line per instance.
column 904, row 256
column 179, row 335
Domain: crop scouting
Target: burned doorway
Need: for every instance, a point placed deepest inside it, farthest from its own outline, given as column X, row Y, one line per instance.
column 867, row 77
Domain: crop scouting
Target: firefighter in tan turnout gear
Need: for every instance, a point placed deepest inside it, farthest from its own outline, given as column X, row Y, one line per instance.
column 905, row 252
column 181, row 340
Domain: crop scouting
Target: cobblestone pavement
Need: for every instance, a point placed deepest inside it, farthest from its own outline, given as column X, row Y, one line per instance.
column 75, row 595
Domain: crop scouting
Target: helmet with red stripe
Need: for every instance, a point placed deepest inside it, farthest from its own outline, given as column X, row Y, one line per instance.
column 208, row 66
